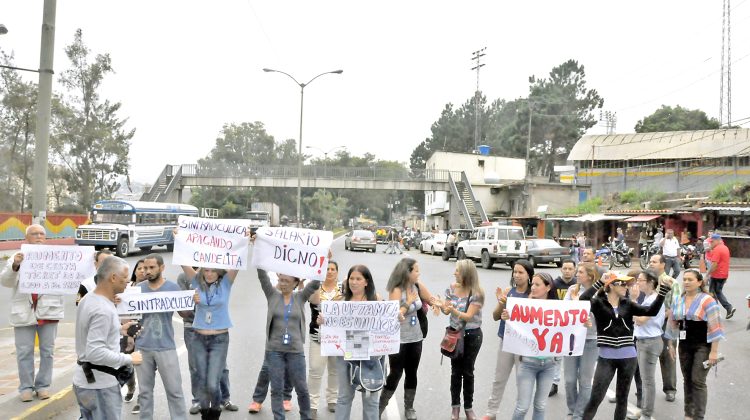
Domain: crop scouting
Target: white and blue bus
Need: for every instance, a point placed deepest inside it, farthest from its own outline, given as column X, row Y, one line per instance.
column 124, row 225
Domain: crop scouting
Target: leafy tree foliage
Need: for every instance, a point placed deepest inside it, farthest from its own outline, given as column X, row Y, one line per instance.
column 325, row 209
column 678, row 118
column 88, row 137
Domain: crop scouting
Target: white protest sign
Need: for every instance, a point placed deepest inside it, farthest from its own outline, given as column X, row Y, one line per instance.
column 540, row 327
column 55, row 269
column 142, row 303
column 358, row 330
column 295, row 252
column 211, row 243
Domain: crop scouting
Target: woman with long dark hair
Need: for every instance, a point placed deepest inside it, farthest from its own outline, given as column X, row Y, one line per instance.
column 614, row 312
column 405, row 287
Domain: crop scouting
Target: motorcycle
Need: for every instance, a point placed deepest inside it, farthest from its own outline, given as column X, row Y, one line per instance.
column 621, row 255
column 688, row 253
column 603, row 254
column 647, row 250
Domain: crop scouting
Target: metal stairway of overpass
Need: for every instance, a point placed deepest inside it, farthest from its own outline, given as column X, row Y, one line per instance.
column 469, row 207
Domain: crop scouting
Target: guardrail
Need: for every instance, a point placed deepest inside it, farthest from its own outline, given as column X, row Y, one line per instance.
column 310, row 171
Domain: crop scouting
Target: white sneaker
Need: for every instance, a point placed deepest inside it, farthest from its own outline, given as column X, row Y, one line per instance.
column 635, row 415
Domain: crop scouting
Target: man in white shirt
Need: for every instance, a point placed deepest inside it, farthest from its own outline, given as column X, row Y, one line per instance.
column 670, row 248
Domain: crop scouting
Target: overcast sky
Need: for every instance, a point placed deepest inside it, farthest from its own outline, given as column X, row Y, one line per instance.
column 185, row 68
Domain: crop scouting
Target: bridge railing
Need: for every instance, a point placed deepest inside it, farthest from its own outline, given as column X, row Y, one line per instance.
column 315, row 171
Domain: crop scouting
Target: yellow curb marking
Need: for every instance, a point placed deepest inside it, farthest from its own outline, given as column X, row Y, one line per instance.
column 33, row 410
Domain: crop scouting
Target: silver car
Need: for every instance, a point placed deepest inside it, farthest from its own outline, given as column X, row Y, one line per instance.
column 360, row 239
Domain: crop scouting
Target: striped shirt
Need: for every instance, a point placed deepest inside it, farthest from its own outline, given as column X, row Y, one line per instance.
column 704, row 308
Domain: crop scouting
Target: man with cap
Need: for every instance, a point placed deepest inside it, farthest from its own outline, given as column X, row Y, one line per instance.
column 719, row 272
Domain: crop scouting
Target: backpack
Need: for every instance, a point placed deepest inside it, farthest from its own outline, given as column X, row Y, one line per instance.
column 367, row 375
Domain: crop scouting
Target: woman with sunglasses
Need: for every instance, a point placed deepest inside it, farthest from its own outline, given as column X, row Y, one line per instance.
column 614, row 312
column 696, row 322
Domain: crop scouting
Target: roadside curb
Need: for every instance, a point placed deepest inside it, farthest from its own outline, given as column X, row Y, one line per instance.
column 57, row 403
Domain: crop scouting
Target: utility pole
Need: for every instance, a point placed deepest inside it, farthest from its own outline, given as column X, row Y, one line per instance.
column 526, row 179
column 610, row 121
column 476, row 55
column 41, row 149
column 725, row 86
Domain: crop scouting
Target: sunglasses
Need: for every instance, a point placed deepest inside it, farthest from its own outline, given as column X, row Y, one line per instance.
column 618, row 283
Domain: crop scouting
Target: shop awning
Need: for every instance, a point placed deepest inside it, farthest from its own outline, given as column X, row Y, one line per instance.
column 642, row 218
column 588, row 218
column 725, row 208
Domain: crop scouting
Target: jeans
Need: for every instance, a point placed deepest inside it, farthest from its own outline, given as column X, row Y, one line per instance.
column 579, row 372
column 533, row 374
column 169, row 369
column 293, row 364
column 462, row 369
column 716, row 287
column 318, row 365
column 694, row 377
column 211, row 357
column 556, row 376
column 674, row 264
column 605, row 371
column 406, row 360
column 649, row 350
column 668, row 368
column 24, row 338
column 189, row 336
column 346, row 393
column 95, row 404
column 503, row 366
column 264, row 379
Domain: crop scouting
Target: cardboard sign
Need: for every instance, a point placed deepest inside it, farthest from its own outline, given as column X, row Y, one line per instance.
column 540, row 327
column 358, row 330
column 142, row 303
column 55, row 269
column 295, row 252
column 211, row 243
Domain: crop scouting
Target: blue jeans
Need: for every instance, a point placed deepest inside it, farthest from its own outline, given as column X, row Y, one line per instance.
column 293, row 364
column 169, row 369
column 370, row 400
column 24, row 338
column 211, row 357
column 579, row 372
column 189, row 336
column 674, row 264
column 649, row 350
column 533, row 374
column 105, row 403
column 264, row 379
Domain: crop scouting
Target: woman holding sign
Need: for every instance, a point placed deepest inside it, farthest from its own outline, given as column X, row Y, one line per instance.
column 405, row 287
column 211, row 327
column 614, row 313
column 535, row 373
column 463, row 302
column 520, row 283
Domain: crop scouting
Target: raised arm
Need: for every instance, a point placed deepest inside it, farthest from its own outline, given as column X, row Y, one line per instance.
column 265, row 283
column 310, row 289
column 653, row 309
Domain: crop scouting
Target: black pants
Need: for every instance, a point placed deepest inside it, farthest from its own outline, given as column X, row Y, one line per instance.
column 694, row 375
column 605, row 371
column 462, row 369
column 406, row 360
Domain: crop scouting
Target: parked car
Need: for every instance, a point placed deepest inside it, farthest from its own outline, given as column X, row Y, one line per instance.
column 381, row 232
column 360, row 239
column 434, row 244
column 493, row 243
column 450, row 248
column 546, row 251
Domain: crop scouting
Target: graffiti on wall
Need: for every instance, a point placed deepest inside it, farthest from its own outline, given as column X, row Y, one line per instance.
column 13, row 225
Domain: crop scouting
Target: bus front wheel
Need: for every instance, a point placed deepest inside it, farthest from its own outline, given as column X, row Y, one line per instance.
column 122, row 247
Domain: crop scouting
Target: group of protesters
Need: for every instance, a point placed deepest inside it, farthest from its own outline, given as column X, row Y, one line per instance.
column 636, row 320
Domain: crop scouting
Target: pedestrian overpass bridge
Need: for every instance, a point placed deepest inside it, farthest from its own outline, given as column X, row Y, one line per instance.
column 174, row 178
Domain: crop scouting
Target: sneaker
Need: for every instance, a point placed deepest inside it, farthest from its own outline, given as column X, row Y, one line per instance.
column 332, row 407
column 26, row 396
column 613, row 399
column 553, row 391
column 730, row 313
column 254, row 407
column 42, row 395
column 128, row 397
column 287, row 405
column 227, row 405
column 635, row 415
column 670, row 396
column 195, row 408
column 136, row 409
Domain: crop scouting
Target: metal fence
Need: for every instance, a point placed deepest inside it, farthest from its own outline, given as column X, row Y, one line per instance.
column 311, row 171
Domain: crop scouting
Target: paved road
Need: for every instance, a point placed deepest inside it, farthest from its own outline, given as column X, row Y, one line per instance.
column 248, row 309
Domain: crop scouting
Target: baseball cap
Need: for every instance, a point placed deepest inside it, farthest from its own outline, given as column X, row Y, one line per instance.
column 715, row 236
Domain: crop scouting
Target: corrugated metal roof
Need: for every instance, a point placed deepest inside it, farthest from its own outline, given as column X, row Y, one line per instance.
column 663, row 145
column 724, row 208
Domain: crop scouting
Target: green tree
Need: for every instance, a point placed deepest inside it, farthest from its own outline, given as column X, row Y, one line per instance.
column 88, row 137
column 678, row 118
column 325, row 209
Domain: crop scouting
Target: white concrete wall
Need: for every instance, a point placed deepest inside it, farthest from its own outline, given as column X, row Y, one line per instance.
column 479, row 168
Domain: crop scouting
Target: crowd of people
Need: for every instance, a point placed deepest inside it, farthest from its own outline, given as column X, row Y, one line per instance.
column 637, row 320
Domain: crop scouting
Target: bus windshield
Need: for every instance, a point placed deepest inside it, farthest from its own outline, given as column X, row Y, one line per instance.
column 112, row 217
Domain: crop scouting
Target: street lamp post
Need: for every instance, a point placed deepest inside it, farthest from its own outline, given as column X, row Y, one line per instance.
column 301, row 107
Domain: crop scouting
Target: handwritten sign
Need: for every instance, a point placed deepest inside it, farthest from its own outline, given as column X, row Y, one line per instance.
column 55, row 269
column 539, row 327
column 142, row 303
column 211, row 243
column 358, row 330
column 295, row 252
